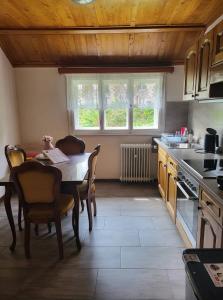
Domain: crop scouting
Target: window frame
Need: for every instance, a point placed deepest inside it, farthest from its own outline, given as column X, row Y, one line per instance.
column 102, row 130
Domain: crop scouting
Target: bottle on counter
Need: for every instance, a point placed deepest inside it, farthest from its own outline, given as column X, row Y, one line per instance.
column 190, row 136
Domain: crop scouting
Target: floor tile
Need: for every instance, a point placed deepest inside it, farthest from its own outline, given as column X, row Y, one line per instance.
column 112, row 238
column 133, row 252
column 61, row 283
column 163, row 222
column 129, row 284
column 160, row 238
column 126, row 222
column 177, row 281
column 95, row 257
column 152, row 257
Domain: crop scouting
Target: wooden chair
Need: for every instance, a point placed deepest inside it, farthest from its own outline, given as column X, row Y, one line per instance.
column 38, row 188
column 87, row 188
column 15, row 156
column 70, row 145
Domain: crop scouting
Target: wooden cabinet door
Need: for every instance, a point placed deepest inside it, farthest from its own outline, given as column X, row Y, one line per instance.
column 218, row 44
column 171, row 192
column 209, row 231
column 190, row 65
column 203, row 67
column 162, row 177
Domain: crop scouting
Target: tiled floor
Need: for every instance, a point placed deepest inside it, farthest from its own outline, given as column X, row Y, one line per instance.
column 133, row 252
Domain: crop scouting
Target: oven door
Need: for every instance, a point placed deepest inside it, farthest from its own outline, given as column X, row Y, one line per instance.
column 187, row 211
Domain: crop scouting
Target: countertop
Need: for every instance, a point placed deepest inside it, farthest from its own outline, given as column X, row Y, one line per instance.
column 210, row 185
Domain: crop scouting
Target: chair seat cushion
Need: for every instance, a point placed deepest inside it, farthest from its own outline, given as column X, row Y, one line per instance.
column 43, row 214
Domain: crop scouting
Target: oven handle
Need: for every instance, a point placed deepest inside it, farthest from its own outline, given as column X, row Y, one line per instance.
column 184, row 192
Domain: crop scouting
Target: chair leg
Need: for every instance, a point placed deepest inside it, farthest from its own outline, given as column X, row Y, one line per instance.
column 94, row 204
column 27, row 239
column 82, row 205
column 59, row 237
column 36, row 229
column 73, row 221
column 20, row 217
column 49, row 225
column 88, row 201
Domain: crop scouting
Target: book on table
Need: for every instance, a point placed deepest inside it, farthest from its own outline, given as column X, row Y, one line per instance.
column 56, row 155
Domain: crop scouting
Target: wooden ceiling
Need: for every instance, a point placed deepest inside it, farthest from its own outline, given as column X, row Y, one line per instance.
column 61, row 33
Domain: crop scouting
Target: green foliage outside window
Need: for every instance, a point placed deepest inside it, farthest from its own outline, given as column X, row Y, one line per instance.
column 88, row 118
column 143, row 117
column 116, row 118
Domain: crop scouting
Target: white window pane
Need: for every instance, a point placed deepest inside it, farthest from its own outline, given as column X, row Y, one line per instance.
column 86, row 97
column 145, row 93
column 146, row 102
column 115, row 93
column 87, row 94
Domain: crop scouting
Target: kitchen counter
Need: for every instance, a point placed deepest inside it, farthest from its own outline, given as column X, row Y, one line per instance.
column 210, row 185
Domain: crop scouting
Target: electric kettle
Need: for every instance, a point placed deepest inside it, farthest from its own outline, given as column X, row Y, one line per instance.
column 211, row 140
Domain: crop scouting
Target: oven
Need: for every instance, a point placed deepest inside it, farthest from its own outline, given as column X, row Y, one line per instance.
column 187, row 204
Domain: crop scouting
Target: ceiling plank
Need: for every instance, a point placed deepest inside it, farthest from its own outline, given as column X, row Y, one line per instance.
column 105, row 30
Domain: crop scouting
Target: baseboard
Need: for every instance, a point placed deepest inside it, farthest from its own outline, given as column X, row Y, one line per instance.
column 108, row 180
column 119, row 181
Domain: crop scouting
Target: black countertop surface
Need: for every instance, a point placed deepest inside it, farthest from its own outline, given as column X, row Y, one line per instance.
column 210, row 185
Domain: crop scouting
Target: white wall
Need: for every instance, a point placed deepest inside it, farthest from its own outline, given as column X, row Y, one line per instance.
column 175, row 83
column 9, row 125
column 42, row 104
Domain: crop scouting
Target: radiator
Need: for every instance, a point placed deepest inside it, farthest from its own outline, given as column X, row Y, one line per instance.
column 135, row 162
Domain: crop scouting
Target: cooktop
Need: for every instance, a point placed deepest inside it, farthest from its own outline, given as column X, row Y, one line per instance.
column 206, row 168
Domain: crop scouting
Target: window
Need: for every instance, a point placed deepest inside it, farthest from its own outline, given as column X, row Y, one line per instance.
column 115, row 102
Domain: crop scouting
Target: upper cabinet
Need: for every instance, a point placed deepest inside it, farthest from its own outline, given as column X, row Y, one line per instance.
column 218, row 44
column 203, row 67
column 190, row 66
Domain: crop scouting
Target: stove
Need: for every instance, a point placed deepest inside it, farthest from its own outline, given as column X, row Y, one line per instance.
column 206, row 168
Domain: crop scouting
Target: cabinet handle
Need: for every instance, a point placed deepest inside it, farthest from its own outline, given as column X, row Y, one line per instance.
column 208, row 203
column 199, row 207
column 192, row 96
column 196, row 95
column 171, row 163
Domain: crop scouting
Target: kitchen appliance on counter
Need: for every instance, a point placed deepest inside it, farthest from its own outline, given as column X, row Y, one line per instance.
column 211, row 140
column 204, row 277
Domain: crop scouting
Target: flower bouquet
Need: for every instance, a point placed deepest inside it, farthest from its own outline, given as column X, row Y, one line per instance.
column 47, row 142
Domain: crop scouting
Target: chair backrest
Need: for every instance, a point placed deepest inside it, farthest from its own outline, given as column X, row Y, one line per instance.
column 36, row 183
column 92, row 162
column 15, row 156
column 70, row 145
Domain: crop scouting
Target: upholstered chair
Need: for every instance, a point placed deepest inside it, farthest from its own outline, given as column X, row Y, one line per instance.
column 87, row 188
column 71, row 145
column 15, row 156
column 38, row 187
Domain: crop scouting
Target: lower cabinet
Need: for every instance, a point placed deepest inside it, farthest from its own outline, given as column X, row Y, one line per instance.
column 209, row 231
column 162, row 164
column 210, row 212
column 171, row 191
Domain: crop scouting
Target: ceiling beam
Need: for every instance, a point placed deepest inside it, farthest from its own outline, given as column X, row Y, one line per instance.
column 115, row 69
column 103, row 30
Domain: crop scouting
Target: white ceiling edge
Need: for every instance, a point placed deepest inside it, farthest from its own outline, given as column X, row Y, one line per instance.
column 214, row 24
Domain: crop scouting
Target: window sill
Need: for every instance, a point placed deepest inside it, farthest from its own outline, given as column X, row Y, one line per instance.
column 117, row 133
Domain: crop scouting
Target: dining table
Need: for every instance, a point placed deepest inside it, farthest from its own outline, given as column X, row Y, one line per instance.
column 73, row 173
